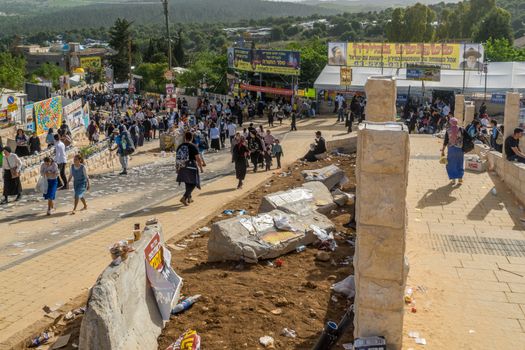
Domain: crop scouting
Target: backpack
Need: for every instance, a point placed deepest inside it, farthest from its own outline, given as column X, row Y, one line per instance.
column 468, row 142
column 182, row 158
column 127, row 145
column 499, row 138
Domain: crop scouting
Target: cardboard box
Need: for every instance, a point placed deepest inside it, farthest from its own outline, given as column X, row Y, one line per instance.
column 476, row 165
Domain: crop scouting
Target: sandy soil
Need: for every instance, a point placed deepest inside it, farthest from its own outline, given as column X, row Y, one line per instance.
column 231, row 315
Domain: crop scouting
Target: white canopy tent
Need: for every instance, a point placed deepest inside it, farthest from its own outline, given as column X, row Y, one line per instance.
column 502, row 76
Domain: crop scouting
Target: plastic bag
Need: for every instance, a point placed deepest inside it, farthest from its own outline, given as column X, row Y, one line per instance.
column 345, row 287
column 41, row 185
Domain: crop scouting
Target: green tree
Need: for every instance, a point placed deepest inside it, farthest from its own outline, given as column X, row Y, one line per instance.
column 495, row 25
column 395, row 28
column 501, row 50
column 50, row 72
column 120, row 37
column 313, row 59
column 207, row 65
column 151, row 50
column 418, row 26
column 12, row 71
column 277, row 33
column 178, row 52
column 153, row 76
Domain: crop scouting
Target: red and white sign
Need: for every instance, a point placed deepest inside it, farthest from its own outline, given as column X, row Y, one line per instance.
column 170, row 89
column 269, row 90
column 171, row 103
column 153, row 252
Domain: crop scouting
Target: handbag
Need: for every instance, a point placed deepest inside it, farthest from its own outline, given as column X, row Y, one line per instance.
column 15, row 173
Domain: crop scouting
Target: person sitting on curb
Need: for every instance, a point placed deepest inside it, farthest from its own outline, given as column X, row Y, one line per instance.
column 317, row 149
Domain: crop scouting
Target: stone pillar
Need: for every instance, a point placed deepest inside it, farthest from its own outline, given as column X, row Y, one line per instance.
column 459, row 108
column 379, row 261
column 381, row 95
column 470, row 110
column 512, row 115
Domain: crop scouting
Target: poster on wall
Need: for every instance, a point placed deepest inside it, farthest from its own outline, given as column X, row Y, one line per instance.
column 399, row 55
column 267, row 61
column 423, row 73
column 29, row 120
column 85, row 115
column 337, row 54
column 73, row 114
column 48, row 114
column 345, row 78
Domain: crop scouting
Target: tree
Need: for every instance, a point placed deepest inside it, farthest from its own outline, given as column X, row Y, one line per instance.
column 495, row 25
column 277, row 33
column 50, row 72
column 313, row 59
column 12, row 71
column 418, row 26
column 209, row 65
column 501, row 50
column 178, row 53
column 120, row 38
column 150, row 51
column 153, row 75
column 394, row 29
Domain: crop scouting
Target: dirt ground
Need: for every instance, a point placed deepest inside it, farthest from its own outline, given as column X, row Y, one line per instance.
column 230, row 314
column 234, row 314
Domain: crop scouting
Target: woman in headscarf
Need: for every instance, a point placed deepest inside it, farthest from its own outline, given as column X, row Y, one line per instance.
column 11, row 165
column 455, row 155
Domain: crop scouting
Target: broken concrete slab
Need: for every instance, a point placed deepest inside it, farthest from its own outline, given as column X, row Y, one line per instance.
column 254, row 238
column 342, row 198
column 122, row 312
column 330, row 176
column 311, row 196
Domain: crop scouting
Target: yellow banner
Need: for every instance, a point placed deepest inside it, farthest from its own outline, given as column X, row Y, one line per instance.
column 398, row 55
column 90, row 62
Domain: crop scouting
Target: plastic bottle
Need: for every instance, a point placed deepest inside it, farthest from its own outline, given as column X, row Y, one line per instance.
column 185, row 305
column 300, row 249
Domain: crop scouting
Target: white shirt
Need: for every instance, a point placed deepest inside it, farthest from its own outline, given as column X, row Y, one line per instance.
column 232, row 128
column 60, row 153
column 11, row 162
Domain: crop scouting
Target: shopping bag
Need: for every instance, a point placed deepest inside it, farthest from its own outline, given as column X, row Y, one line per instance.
column 41, row 185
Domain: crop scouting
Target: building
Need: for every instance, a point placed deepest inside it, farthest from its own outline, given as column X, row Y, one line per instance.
column 66, row 56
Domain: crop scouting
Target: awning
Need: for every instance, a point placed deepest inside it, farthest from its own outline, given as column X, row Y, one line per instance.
column 502, row 76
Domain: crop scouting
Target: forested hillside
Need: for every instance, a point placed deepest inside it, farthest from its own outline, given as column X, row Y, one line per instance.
column 25, row 19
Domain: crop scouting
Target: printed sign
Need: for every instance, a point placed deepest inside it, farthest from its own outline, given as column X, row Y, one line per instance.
column 73, row 114
column 90, row 63
column 269, row 90
column 166, row 284
column 498, row 99
column 345, row 76
column 266, row 61
column 48, row 114
column 423, row 73
column 171, row 103
column 399, row 55
column 170, row 89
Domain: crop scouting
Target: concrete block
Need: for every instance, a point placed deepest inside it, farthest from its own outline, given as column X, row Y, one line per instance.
column 381, row 95
column 384, row 148
column 382, row 253
column 232, row 240
column 459, row 108
column 373, row 322
column 381, row 294
column 122, row 312
column 311, row 196
column 330, row 176
column 470, row 110
column 381, row 200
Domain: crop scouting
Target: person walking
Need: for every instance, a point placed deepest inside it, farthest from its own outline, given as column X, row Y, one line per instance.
column 256, row 147
column 188, row 163
column 240, row 159
column 232, row 129
column 124, row 146
column 61, row 160
column 50, row 170
column 215, row 142
column 34, row 144
column 294, row 121
column 455, row 156
column 80, row 181
column 11, row 165
column 277, row 151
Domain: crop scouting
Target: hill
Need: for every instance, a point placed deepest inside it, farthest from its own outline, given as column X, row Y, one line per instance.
column 27, row 16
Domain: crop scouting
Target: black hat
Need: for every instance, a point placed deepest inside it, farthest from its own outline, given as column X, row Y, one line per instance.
column 471, row 52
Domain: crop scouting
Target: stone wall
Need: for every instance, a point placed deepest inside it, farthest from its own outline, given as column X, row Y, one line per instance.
column 379, row 261
column 381, row 95
column 346, row 145
column 122, row 312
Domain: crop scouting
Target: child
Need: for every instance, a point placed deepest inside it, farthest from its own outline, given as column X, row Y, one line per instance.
column 277, row 151
column 268, row 157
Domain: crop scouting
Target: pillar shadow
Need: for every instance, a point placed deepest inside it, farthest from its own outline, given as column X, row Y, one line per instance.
column 437, row 197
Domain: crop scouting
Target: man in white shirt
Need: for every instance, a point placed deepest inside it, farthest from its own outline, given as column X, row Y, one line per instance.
column 232, row 129
column 61, row 160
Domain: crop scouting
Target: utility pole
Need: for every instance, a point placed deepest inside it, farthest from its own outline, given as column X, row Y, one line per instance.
column 129, row 66
column 170, row 59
